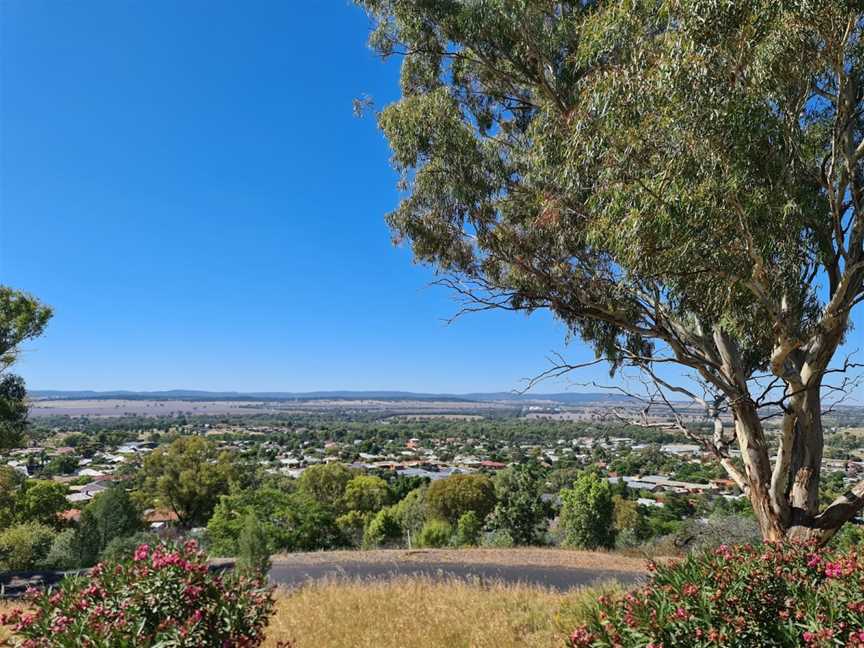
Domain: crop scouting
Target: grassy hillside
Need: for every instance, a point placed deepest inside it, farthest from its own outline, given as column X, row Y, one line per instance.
column 425, row 613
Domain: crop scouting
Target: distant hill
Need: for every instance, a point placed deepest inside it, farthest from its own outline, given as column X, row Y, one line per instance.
column 565, row 398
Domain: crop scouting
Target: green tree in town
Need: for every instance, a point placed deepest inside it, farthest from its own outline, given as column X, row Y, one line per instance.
column 111, row 514
column 449, row 498
column 366, row 494
column 287, row 521
column 325, row 483
column 11, row 485
column 677, row 182
column 519, row 511
column 187, row 477
column 41, row 501
column 587, row 513
column 25, row 547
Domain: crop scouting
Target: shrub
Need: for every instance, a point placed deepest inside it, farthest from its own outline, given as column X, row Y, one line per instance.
column 739, row 596
column 435, row 533
column 25, row 546
column 253, row 558
column 498, row 539
column 164, row 596
column 384, row 529
column 468, row 529
column 123, row 547
column 62, row 554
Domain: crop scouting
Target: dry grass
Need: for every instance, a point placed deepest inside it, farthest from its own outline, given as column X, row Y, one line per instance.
column 426, row 613
column 533, row 556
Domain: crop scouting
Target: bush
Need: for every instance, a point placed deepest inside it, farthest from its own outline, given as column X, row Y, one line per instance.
column 498, row 539
column 25, row 546
column 468, row 529
column 435, row 533
column 383, row 530
column 62, row 554
column 253, row 558
column 123, row 547
column 739, row 596
column 165, row 596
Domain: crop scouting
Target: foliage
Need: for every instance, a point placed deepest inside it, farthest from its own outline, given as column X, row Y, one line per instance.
column 122, row 547
column 111, row 514
column 25, row 546
column 62, row 555
column 499, row 539
column 739, row 596
column 289, row 522
column 366, row 493
column 61, row 465
column 253, row 556
column 162, row 596
column 449, row 498
column 412, row 510
column 13, row 410
column 352, row 525
column 435, row 533
column 326, row 483
column 587, row 513
column 520, row 509
column 40, row 501
column 629, row 520
column 22, row 318
column 468, row 529
column 383, row 529
column 187, row 477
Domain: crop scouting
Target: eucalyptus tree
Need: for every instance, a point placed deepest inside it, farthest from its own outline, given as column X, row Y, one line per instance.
column 678, row 181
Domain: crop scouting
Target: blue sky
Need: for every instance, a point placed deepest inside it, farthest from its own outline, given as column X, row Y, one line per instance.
column 185, row 183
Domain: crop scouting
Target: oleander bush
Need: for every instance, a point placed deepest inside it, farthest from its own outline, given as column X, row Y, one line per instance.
column 738, row 596
column 161, row 596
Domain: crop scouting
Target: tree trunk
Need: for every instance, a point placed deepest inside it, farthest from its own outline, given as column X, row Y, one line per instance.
column 754, row 453
column 806, row 464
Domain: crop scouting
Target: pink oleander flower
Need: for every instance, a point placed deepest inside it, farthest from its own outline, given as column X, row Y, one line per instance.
column 581, row 637
column 834, row 570
column 141, row 553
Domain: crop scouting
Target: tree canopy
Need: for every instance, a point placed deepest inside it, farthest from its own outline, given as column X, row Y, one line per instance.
column 677, row 181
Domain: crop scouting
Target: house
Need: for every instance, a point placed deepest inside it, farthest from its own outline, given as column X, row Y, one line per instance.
column 160, row 518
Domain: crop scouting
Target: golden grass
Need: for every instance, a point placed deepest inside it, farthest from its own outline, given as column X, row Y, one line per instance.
column 426, row 613
column 533, row 556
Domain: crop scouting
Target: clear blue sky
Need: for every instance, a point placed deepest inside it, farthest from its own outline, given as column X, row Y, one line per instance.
column 185, row 183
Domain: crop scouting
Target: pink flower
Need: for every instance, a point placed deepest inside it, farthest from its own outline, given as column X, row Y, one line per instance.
column 581, row 637
column 814, row 560
column 834, row 570
column 141, row 553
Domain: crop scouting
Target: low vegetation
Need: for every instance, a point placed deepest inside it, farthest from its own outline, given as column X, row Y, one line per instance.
column 740, row 596
column 425, row 613
column 160, row 596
